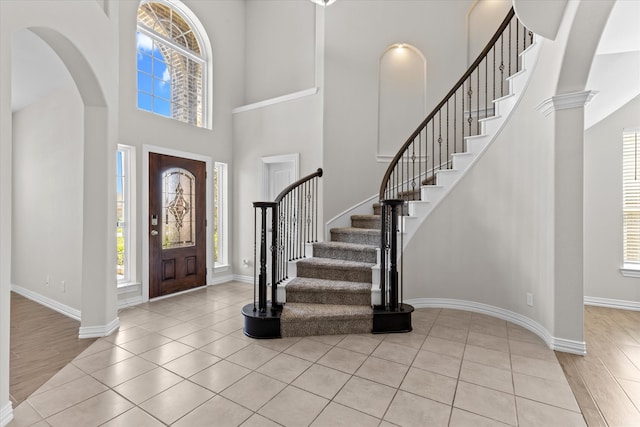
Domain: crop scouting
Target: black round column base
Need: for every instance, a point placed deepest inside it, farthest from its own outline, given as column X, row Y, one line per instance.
column 261, row 325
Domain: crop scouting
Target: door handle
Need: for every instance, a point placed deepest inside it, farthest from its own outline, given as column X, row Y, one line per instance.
column 154, row 232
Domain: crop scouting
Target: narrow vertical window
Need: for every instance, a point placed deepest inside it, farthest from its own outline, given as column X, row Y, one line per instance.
column 125, row 229
column 219, row 214
column 631, row 198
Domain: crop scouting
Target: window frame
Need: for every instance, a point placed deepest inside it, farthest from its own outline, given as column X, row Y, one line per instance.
column 631, row 267
column 203, row 59
column 221, row 187
column 129, row 215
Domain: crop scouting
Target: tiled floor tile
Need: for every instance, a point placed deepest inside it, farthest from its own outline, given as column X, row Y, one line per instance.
column 293, row 407
column 24, row 415
column 488, row 341
column 410, row 339
column 395, row 353
column 328, row 339
column 123, row 371
column 175, row 402
column 487, row 376
column 280, row 344
column 383, row 371
column 335, row 415
column 257, row 420
column 254, row 390
column 147, row 385
column 460, row 418
column 323, row 381
column 449, row 333
column 123, row 336
column 92, row 412
column 536, row 351
column 407, row 409
column 220, row 376
column 67, row 374
column 485, row 356
column 65, row 396
column 284, row 367
column 366, row 396
column 134, row 417
column 201, row 337
column 191, row 363
column 217, row 411
column 308, row 349
column 224, row 347
column 534, row 414
column 342, row 359
column 486, row 402
column 229, row 325
column 180, row 330
column 430, row 385
column 145, row 343
column 442, row 346
column 438, row 363
column 167, row 352
column 359, row 343
column 545, row 391
column 519, row 333
column 102, row 359
column 253, row 356
column 538, row 368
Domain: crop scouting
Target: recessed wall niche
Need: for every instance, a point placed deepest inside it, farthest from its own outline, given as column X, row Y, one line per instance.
column 402, row 96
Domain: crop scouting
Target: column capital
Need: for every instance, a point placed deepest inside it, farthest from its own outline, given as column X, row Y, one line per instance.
column 565, row 101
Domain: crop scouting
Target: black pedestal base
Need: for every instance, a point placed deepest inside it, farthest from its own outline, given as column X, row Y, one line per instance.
column 261, row 325
column 385, row 321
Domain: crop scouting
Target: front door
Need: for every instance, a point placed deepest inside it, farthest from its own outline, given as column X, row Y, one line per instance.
column 177, row 224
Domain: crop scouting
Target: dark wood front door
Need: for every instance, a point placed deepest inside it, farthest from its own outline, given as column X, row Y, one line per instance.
column 177, row 224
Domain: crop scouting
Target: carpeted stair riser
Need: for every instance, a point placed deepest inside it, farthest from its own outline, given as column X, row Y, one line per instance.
column 360, row 236
column 348, row 272
column 345, row 251
column 366, row 221
column 300, row 320
column 317, row 291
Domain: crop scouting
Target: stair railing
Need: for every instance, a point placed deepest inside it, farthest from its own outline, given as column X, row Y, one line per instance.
column 459, row 114
column 442, row 134
column 293, row 220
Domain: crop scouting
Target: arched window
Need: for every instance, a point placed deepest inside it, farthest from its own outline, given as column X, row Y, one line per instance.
column 171, row 63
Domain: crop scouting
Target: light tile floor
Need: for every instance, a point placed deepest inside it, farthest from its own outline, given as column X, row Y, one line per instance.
column 184, row 361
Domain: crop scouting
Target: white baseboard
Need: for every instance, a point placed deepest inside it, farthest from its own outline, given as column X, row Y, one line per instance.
column 6, row 414
column 243, row 279
column 130, row 302
column 47, row 302
column 613, row 303
column 218, row 280
column 560, row 344
column 99, row 330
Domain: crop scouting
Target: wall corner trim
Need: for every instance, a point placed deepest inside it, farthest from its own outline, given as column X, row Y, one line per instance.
column 554, row 343
column 6, row 414
column 48, row 302
column 99, row 330
column 565, row 101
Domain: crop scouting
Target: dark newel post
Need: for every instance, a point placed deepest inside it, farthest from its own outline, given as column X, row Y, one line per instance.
column 262, row 277
column 274, row 254
column 383, row 254
column 393, row 253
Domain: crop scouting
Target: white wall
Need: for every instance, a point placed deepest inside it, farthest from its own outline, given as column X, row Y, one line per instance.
column 279, row 48
column 356, row 35
column 284, row 128
column 484, row 19
column 603, row 207
column 47, row 197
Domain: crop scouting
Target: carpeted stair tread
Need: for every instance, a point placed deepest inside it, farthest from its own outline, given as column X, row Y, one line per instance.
column 299, row 320
column 365, row 221
column 346, row 251
column 320, row 291
column 335, row 269
column 364, row 236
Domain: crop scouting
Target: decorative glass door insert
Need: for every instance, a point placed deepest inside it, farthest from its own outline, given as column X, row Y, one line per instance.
column 179, row 209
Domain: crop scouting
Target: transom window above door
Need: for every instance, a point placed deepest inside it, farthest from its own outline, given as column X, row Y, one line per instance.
column 171, row 63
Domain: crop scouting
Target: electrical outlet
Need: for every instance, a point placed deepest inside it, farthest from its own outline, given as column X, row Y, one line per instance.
column 529, row 299
column 63, row 286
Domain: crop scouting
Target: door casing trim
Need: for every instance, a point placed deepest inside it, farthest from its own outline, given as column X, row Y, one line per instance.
column 146, row 149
